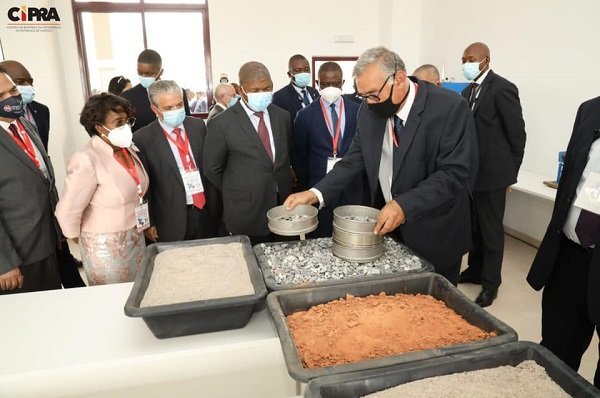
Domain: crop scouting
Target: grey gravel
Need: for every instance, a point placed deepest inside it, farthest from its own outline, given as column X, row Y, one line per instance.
column 312, row 261
column 360, row 218
column 297, row 217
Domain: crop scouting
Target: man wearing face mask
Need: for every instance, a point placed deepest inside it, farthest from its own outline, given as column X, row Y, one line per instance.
column 246, row 155
column 149, row 67
column 225, row 96
column 298, row 94
column 323, row 132
column 183, row 204
column 28, row 231
column 414, row 143
column 496, row 109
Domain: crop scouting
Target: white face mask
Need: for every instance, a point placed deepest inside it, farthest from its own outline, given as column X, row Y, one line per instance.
column 331, row 94
column 120, row 136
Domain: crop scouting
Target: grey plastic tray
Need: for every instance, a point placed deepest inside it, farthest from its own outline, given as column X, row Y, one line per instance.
column 197, row 316
column 272, row 284
column 283, row 303
column 358, row 384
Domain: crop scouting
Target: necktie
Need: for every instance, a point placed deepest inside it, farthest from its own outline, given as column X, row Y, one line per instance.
column 588, row 228
column 263, row 133
column 398, row 128
column 15, row 131
column 473, row 94
column 188, row 163
column 305, row 99
column 334, row 120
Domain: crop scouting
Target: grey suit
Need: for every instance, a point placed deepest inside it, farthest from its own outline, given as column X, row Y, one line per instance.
column 236, row 162
column 28, row 230
column 217, row 109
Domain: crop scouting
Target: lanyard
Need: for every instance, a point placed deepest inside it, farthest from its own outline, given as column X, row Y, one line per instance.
column 183, row 148
column 394, row 139
column 131, row 170
column 25, row 143
column 336, row 137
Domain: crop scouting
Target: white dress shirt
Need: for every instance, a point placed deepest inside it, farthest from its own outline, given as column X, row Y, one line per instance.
column 301, row 96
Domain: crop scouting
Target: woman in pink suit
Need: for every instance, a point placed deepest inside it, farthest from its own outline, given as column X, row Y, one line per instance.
column 102, row 205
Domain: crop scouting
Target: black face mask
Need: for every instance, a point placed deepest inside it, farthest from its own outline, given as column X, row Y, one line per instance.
column 12, row 107
column 387, row 108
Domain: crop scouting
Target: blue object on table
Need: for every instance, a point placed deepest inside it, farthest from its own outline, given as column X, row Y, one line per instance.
column 561, row 162
column 455, row 86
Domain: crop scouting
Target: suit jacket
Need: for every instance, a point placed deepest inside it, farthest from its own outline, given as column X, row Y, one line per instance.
column 500, row 132
column 28, row 230
column 41, row 115
column 312, row 145
column 99, row 194
column 166, row 197
column 236, row 162
column 585, row 131
column 138, row 97
column 218, row 108
column 287, row 98
column 430, row 182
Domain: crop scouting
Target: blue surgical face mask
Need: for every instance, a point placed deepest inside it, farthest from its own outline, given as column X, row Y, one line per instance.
column 302, row 79
column 233, row 101
column 146, row 81
column 174, row 118
column 471, row 70
column 28, row 93
column 258, row 102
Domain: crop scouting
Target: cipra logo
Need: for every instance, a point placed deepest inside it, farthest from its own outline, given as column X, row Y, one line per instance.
column 33, row 19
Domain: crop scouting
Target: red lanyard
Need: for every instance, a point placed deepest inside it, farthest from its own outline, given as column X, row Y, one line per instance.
column 394, row 139
column 25, row 143
column 338, row 129
column 130, row 169
column 183, row 148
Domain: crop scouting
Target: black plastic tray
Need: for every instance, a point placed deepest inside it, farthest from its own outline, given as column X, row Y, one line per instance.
column 272, row 284
column 283, row 303
column 353, row 385
column 197, row 316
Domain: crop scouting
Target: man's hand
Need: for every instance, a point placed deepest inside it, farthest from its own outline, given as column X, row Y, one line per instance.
column 11, row 280
column 390, row 218
column 300, row 198
column 509, row 189
column 151, row 234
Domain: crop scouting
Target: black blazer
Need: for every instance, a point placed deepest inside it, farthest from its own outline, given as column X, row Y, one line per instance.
column 28, row 230
column 166, row 195
column 236, row 162
column 41, row 115
column 138, row 97
column 287, row 98
column 500, row 132
column 585, row 131
column 431, row 183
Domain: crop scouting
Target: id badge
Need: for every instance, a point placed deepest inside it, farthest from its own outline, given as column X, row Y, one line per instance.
column 192, row 182
column 142, row 217
column 330, row 163
column 589, row 196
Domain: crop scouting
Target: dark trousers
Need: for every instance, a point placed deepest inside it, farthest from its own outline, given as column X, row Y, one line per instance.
column 41, row 275
column 68, row 267
column 567, row 329
column 198, row 224
column 485, row 258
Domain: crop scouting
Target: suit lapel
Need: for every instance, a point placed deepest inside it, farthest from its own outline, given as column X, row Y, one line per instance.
column 485, row 86
column 410, row 129
column 12, row 147
column 372, row 140
column 247, row 127
column 278, row 137
column 165, row 152
column 195, row 144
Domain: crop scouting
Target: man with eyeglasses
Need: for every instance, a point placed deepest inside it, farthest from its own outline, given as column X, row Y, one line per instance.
column 415, row 143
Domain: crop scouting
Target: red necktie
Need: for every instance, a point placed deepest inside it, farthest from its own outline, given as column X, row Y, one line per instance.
column 188, row 163
column 263, row 133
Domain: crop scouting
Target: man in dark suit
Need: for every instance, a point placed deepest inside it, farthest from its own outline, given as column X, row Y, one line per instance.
column 298, row 94
column 28, row 230
column 327, row 121
column 414, row 142
column 171, row 151
column 246, row 155
column 567, row 264
column 225, row 96
column 149, row 67
column 501, row 134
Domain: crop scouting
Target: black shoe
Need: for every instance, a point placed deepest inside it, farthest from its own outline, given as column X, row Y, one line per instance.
column 486, row 297
column 468, row 277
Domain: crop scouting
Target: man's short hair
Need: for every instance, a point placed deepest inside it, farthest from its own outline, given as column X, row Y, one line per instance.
column 427, row 69
column 220, row 90
column 253, row 71
column 389, row 61
column 330, row 66
column 149, row 56
column 160, row 87
column 294, row 58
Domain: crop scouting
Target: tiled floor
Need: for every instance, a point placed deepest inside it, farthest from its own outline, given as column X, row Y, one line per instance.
column 519, row 305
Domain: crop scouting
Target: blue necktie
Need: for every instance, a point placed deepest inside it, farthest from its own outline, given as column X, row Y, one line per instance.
column 334, row 120
column 398, row 128
column 305, row 99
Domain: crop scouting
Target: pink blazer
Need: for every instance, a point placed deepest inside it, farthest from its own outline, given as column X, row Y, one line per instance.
column 99, row 194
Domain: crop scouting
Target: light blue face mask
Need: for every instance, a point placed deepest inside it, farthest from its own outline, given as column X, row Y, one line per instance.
column 258, row 102
column 233, row 101
column 28, row 93
column 174, row 118
column 302, row 79
column 146, row 81
column 471, row 70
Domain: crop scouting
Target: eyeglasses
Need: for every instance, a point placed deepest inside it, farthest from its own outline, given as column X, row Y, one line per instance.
column 130, row 122
column 375, row 97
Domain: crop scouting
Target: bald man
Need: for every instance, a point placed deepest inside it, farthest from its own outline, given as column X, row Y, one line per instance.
column 246, row 155
column 225, row 96
column 496, row 108
column 428, row 73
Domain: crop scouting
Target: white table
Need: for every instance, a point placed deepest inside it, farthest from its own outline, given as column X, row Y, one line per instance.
column 78, row 342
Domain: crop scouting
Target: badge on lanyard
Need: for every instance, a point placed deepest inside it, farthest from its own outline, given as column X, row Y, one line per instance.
column 142, row 215
column 192, row 182
column 589, row 196
column 331, row 161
